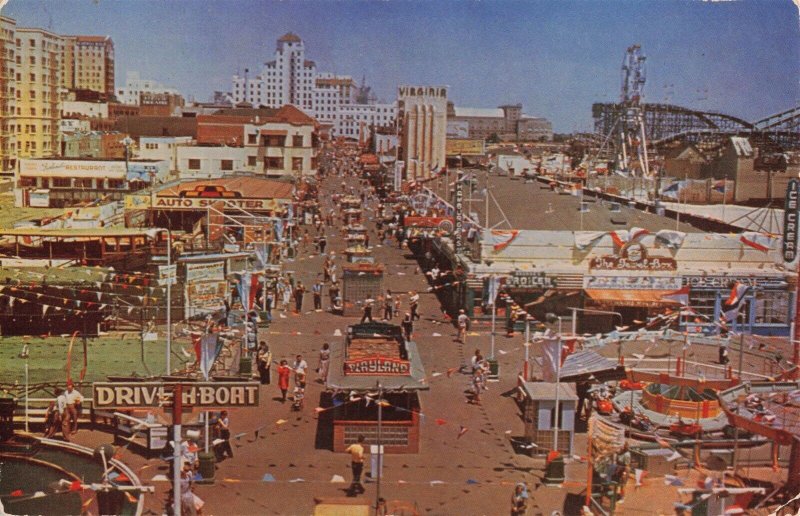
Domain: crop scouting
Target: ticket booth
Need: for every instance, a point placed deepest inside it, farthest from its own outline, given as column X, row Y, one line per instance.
column 373, row 359
column 539, row 404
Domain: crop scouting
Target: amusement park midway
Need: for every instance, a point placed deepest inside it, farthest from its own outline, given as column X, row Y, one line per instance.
column 297, row 298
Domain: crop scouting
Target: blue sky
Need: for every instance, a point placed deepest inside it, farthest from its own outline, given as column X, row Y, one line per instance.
column 555, row 57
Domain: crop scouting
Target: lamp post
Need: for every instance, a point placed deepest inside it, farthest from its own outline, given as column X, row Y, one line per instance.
column 575, row 311
column 380, row 449
column 170, row 278
column 25, row 355
column 552, row 318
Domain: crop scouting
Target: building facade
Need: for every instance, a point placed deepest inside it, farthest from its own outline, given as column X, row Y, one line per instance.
column 287, row 79
column 39, row 66
column 135, row 86
column 422, row 113
column 291, row 78
column 58, row 183
column 92, row 64
column 8, row 95
column 506, row 122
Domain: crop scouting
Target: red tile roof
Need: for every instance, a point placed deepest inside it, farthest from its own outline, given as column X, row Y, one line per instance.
column 290, row 37
column 248, row 187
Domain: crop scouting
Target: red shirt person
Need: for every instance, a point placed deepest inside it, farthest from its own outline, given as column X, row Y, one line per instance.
column 284, row 372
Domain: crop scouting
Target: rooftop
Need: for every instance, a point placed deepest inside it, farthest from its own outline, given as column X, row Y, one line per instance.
column 290, row 37
column 479, row 112
column 535, row 206
column 251, row 187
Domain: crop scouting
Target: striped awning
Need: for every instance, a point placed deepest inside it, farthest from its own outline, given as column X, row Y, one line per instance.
column 625, row 297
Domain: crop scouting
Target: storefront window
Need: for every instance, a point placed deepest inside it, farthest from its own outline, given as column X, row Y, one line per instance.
column 702, row 302
column 772, row 307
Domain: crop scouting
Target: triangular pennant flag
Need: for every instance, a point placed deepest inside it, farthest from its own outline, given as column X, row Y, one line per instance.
column 130, row 309
column 461, row 431
column 44, row 309
column 268, row 478
column 102, row 306
column 99, row 295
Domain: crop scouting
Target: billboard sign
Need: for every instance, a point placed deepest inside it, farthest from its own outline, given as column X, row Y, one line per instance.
column 128, row 395
column 790, row 221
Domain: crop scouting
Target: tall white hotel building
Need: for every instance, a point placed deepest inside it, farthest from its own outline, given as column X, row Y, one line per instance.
column 290, row 78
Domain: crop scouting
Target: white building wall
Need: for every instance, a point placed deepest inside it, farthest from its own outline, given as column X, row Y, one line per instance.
column 135, row 85
column 201, row 162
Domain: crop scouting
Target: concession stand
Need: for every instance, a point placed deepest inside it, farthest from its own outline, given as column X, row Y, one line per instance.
column 361, row 281
column 374, row 363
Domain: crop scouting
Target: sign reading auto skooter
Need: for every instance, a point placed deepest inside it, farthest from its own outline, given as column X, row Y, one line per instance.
column 123, row 395
column 201, row 203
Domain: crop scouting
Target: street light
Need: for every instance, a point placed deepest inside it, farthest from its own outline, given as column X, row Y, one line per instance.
column 552, row 318
column 25, row 355
column 593, row 311
column 170, row 278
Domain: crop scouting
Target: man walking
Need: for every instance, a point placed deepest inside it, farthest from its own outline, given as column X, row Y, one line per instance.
column 356, row 452
column 317, row 291
column 367, row 311
column 388, row 306
column 414, row 302
column 463, row 323
column 408, row 326
column 69, row 419
column 298, row 297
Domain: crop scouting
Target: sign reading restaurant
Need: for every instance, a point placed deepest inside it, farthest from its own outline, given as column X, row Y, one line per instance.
column 377, row 366
column 158, row 394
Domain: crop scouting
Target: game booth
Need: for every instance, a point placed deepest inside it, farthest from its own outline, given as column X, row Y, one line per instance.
column 373, row 389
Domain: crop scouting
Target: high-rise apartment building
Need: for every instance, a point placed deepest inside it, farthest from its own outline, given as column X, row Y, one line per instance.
column 8, row 87
column 290, row 78
column 38, row 58
column 37, row 66
column 92, row 64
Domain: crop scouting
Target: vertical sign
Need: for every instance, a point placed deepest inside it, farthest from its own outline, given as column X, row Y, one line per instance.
column 459, row 205
column 790, row 221
column 398, row 175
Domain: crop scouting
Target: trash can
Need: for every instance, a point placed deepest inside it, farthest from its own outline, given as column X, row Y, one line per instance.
column 554, row 471
column 245, row 366
column 206, row 468
column 373, row 461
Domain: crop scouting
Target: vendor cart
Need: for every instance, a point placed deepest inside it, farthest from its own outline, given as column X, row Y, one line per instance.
column 351, row 216
column 358, row 254
column 361, row 281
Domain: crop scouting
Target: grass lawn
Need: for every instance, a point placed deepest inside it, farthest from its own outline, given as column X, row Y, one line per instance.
column 9, row 214
column 108, row 355
column 54, row 276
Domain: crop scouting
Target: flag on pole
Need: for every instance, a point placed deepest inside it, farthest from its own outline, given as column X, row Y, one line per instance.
column 493, row 287
column 501, row 238
column 734, row 302
column 759, row 241
column 551, row 356
column 678, row 296
column 208, row 352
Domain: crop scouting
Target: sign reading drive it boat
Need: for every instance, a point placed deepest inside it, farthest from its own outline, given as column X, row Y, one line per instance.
column 159, row 394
